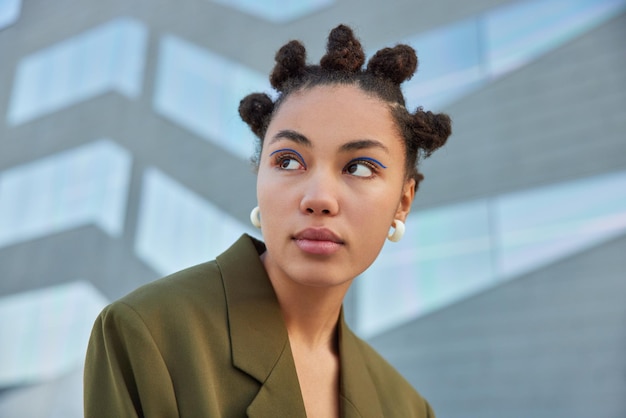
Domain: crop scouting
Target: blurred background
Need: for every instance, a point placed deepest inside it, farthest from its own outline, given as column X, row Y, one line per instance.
column 122, row 159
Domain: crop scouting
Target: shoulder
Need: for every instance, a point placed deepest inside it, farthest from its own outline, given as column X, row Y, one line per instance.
column 382, row 371
column 193, row 298
column 397, row 396
column 181, row 301
column 194, row 283
column 182, row 313
column 199, row 284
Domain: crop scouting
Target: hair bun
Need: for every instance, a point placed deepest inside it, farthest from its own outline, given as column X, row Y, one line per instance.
column 397, row 64
column 432, row 130
column 290, row 63
column 255, row 109
column 343, row 51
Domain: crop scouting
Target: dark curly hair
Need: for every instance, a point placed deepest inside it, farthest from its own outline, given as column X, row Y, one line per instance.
column 423, row 131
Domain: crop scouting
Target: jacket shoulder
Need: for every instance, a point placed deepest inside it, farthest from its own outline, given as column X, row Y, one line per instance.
column 176, row 306
column 397, row 396
column 200, row 283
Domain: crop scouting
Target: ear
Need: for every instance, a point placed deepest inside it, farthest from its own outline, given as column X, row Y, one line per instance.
column 406, row 200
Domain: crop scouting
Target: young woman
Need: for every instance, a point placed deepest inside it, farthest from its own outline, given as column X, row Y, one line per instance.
column 259, row 331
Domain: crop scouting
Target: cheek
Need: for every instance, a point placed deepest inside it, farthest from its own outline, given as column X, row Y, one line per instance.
column 264, row 184
column 377, row 197
column 273, row 200
column 372, row 213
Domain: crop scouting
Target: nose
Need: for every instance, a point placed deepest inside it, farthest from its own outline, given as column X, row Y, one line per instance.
column 320, row 196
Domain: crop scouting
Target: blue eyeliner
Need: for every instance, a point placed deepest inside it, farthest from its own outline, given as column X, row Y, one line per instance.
column 371, row 160
column 292, row 151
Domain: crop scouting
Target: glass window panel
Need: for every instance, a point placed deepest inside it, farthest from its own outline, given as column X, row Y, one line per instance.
column 108, row 57
column 85, row 185
column 460, row 58
column 178, row 229
column 449, row 49
column 450, row 63
column 44, row 332
column 518, row 33
column 277, row 11
column 201, row 91
column 127, row 57
column 539, row 226
column 450, row 253
column 445, row 255
column 9, row 12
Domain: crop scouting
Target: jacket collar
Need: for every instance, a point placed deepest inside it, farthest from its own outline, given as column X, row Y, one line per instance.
column 260, row 344
column 259, row 341
column 359, row 397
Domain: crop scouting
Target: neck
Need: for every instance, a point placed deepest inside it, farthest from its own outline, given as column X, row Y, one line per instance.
column 311, row 313
column 312, row 320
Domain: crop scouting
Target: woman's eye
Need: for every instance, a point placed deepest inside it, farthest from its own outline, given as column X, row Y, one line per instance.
column 360, row 169
column 288, row 159
column 289, row 163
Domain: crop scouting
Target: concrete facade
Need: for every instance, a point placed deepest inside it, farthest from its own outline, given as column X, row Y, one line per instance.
column 547, row 344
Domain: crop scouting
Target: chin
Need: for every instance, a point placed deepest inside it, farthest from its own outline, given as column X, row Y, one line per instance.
column 320, row 280
column 326, row 283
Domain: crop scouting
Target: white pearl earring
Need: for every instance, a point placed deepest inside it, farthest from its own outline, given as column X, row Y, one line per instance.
column 398, row 233
column 255, row 217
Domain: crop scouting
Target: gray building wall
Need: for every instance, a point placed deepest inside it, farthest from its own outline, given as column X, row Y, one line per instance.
column 549, row 344
column 560, row 118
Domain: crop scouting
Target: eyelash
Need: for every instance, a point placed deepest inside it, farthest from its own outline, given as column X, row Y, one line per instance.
column 279, row 158
column 370, row 163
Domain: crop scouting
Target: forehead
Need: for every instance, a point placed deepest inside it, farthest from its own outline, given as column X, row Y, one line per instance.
column 337, row 113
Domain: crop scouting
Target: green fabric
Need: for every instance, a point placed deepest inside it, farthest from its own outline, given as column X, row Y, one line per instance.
column 210, row 341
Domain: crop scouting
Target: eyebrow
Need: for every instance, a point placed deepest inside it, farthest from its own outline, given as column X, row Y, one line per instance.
column 358, row 144
column 292, row 136
column 363, row 144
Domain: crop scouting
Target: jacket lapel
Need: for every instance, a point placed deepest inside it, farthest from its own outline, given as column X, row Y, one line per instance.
column 358, row 390
column 259, row 341
column 280, row 394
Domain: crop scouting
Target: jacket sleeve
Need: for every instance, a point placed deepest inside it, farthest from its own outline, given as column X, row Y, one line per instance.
column 429, row 411
column 125, row 374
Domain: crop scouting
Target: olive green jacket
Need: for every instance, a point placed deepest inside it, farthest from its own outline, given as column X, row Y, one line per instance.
column 210, row 341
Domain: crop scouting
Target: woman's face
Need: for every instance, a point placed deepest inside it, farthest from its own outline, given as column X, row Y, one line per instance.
column 331, row 180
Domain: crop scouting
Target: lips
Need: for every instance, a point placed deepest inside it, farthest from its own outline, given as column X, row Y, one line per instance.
column 319, row 241
column 318, row 234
